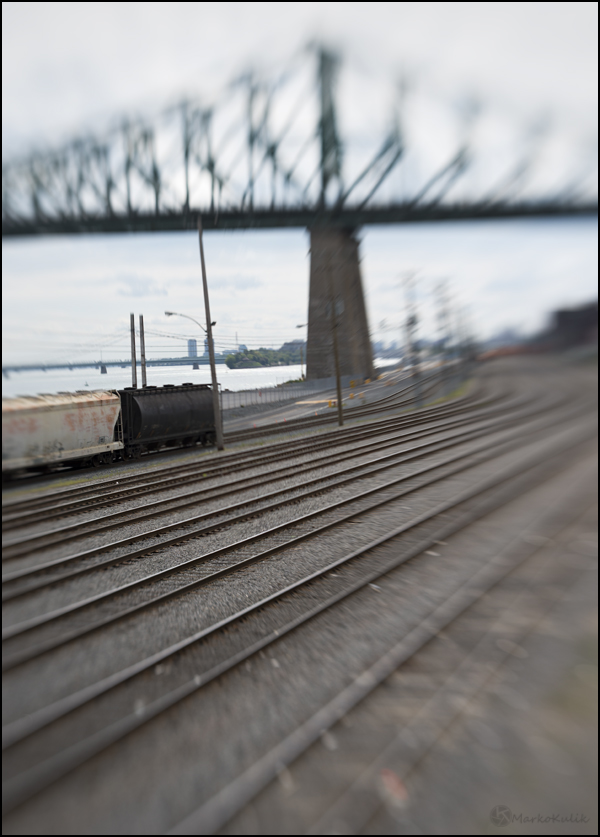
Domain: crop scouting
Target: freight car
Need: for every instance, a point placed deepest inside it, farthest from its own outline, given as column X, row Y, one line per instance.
column 43, row 430
column 173, row 416
column 98, row 427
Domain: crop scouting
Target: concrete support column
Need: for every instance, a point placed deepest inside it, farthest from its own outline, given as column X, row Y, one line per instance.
column 335, row 275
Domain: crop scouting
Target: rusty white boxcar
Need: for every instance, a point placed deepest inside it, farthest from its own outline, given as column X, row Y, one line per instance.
column 42, row 430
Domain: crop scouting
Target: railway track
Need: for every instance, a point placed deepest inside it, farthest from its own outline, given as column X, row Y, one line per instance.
column 38, row 576
column 19, row 512
column 37, row 510
column 428, row 385
column 178, row 630
column 13, row 657
column 367, row 441
column 512, row 597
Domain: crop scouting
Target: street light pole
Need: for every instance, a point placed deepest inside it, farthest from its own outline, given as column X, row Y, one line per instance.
column 143, row 350
column 211, row 345
column 411, row 328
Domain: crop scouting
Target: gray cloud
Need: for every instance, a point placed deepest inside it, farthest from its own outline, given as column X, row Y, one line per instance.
column 139, row 286
column 236, row 282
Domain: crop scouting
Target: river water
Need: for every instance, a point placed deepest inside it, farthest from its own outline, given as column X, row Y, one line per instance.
column 67, row 380
column 71, row 380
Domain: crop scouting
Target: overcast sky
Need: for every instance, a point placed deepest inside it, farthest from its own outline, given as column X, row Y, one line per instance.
column 68, row 66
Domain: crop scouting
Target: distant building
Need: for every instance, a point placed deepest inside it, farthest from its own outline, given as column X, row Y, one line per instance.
column 192, row 348
column 242, row 348
column 574, row 327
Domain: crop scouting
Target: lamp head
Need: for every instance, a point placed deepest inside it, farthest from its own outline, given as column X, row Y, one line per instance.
column 169, row 313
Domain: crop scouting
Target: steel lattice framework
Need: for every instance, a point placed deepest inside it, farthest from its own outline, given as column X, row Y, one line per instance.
column 271, row 154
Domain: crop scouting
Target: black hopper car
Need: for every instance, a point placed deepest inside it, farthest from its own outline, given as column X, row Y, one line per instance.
column 167, row 416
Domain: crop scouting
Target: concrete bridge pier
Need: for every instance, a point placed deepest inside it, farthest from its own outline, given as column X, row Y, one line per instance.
column 336, row 298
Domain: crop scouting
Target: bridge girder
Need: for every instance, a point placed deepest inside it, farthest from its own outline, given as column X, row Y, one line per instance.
column 269, row 154
column 292, row 218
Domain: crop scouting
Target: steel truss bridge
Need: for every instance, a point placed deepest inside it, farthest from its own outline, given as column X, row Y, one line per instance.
column 307, row 148
column 314, row 147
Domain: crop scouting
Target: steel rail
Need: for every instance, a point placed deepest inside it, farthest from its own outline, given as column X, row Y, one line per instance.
column 199, row 470
column 213, row 815
column 378, row 406
column 300, row 448
column 10, row 507
column 475, row 671
column 385, row 462
column 26, row 546
column 32, row 780
column 23, row 655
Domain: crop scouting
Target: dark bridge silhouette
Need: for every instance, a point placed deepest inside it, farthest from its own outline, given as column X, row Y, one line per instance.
column 269, row 154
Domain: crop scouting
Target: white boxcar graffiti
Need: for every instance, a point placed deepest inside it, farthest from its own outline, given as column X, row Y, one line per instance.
column 46, row 429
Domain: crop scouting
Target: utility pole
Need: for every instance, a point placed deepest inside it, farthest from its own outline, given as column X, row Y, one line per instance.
column 466, row 342
column 459, row 342
column 443, row 318
column 211, row 347
column 142, row 350
column 133, row 360
column 412, row 321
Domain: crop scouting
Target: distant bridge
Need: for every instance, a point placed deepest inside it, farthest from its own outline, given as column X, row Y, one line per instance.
column 98, row 364
column 269, row 153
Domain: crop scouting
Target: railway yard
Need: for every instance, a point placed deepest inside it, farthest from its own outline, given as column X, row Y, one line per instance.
column 385, row 627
